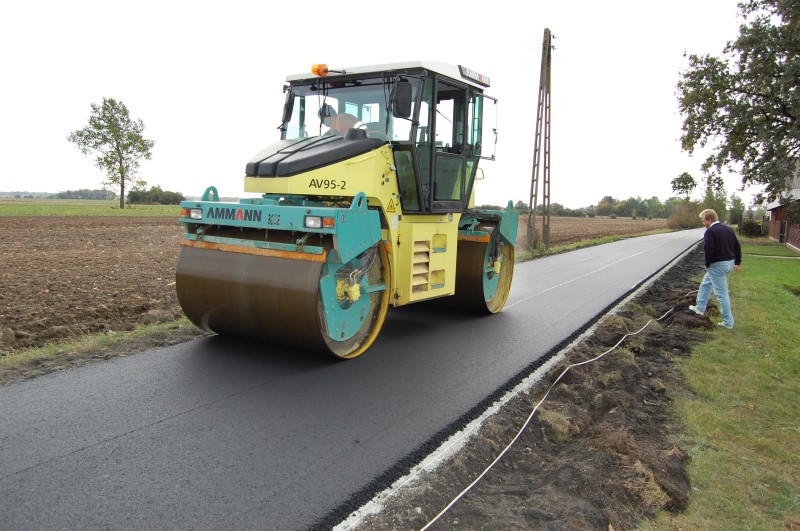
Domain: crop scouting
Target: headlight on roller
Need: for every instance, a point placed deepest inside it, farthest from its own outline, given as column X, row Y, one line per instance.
column 193, row 213
column 318, row 222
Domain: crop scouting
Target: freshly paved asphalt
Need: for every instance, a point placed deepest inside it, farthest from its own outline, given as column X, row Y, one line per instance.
column 222, row 434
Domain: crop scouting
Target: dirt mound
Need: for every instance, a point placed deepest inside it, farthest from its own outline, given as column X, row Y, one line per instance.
column 600, row 450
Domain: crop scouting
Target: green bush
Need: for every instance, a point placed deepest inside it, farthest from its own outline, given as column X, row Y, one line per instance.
column 85, row 193
column 155, row 196
column 793, row 211
column 573, row 213
column 750, row 227
column 684, row 216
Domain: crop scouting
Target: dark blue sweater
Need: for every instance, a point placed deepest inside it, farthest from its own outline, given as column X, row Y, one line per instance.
column 720, row 244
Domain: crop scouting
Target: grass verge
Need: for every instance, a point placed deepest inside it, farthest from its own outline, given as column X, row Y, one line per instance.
column 742, row 421
column 766, row 247
column 24, row 364
column 76, row 207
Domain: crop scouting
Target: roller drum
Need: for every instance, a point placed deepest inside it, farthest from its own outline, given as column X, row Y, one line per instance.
column 479, row 287
column 278, row 300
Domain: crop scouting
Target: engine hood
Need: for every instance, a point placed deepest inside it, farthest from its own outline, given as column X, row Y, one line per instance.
column 291, row 157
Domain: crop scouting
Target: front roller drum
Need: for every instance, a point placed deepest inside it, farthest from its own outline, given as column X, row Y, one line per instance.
column 484, row 271
column 323, row 307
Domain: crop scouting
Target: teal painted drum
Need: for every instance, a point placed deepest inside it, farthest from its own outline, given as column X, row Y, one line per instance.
column 353, row 300
column 483, row 273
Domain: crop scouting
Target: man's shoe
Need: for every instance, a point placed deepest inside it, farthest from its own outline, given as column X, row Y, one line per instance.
column 726, row 326
column 695, row 310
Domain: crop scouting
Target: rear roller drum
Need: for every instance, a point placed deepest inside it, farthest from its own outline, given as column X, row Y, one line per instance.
column 483, row 273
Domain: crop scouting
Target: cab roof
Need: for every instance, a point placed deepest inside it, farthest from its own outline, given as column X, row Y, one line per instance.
column 462, row 73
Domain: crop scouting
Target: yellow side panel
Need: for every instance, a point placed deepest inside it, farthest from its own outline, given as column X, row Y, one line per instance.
column 426, row 258
column 371, row 173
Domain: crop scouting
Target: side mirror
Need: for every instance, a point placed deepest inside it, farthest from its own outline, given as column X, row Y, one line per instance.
column 402, row 100
column 288, row 105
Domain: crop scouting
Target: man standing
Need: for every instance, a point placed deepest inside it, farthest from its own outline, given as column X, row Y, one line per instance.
column 723, row 255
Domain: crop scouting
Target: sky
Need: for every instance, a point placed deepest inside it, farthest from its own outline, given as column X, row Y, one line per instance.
column 206, row 78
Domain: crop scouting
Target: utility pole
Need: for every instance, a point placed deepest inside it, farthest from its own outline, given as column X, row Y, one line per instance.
column 541, row 144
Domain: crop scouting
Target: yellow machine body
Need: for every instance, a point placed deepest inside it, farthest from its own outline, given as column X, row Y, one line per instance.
column 422, row 248
column 352, row 222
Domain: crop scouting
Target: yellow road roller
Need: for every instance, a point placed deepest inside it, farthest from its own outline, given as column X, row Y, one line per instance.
column 366, row 201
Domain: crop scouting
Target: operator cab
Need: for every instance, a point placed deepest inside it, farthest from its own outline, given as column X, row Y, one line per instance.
column 430, row 113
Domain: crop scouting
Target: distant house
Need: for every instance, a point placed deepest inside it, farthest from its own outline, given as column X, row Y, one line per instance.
column 779, row 227
column 777, row 210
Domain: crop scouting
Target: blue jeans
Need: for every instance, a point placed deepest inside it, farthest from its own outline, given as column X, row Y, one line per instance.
column 716, row 277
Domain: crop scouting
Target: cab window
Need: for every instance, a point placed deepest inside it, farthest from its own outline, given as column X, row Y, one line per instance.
column 449, row 161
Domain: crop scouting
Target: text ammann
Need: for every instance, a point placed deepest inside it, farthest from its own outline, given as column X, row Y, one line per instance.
column 232, row 213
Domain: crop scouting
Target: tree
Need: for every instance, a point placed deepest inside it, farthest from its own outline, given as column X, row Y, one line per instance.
column 86, row 194
column 716, row 199
column 653, row 208
column 684, row 184
column 736, row 209
column 747, row 100
column 155, row 196
column 606, row 206
column 792, row 210
column 671, row 204
column 630, row 207
column 118, row 142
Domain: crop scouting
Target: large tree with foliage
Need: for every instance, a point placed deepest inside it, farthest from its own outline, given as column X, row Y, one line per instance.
column 736, row 210
column 792, row 211
column 653, row 208
column 684, row 184
column 746, row 103
column 606, row 206
column 118, row 142
column 716, row 199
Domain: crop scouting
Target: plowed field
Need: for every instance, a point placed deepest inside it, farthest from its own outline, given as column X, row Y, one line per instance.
column 571, row 230
column 65, row 276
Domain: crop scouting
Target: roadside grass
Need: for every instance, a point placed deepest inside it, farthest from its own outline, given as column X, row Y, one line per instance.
column 766, row 247
column 121, row 343
column 742, row 421
column 78, row 207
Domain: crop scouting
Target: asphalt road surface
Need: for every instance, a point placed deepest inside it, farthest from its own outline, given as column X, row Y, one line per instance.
column 222, row 434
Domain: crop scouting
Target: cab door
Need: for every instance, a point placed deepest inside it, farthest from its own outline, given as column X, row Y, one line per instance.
column 455, row 144
column 449, row 132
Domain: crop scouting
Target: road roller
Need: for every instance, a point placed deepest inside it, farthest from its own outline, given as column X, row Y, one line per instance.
column 366, row 201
